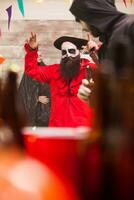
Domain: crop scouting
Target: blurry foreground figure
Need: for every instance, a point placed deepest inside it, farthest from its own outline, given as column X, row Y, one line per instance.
column 21, row 177
column 112, row 174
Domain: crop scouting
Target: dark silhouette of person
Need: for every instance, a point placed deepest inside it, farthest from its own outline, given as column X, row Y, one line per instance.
column 35, row 98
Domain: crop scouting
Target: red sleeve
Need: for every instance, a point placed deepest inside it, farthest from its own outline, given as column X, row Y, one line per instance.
column 92, row 65
column 32, row 69
column 87, row 62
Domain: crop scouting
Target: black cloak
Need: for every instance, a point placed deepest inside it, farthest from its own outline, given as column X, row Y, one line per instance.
column 106, row 19
column 117, row 33
column 29, row 90
column 100, row 14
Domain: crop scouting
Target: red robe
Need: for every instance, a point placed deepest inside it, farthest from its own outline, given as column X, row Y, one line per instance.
column 67, row 110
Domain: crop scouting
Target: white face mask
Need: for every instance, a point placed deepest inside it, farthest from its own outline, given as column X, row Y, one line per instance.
column 68, row 49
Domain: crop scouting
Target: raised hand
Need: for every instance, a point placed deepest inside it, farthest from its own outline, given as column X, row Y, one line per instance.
column 92, row 49
column 32, row 41
column 91, row 45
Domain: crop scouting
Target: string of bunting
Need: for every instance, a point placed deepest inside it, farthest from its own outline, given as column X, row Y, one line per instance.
column 129, row 1
column 21, row 9
column 9, row 16
column 9, row 13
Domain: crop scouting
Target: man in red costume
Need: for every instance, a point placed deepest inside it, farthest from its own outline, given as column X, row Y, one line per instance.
column 64, row 79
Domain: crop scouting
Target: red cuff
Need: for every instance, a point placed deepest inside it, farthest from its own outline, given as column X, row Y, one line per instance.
column 28, row 48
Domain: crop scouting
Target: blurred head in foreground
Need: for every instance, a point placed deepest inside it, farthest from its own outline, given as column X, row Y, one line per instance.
column 12, row 116
column 114, row 96
column 21, row 177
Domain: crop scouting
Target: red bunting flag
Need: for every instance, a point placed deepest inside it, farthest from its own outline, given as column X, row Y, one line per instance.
column 125, row 2
column 2, row 59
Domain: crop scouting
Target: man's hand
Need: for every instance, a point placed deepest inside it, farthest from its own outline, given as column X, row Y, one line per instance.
column 43, row 99
column 92, row 48
column 32, row 41
column 84, row 91
column 91, row 45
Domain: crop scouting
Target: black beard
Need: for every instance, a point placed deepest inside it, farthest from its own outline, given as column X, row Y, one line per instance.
column 70, row 67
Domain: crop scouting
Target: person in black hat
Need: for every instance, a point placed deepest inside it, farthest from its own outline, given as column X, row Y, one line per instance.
column 64, row 79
